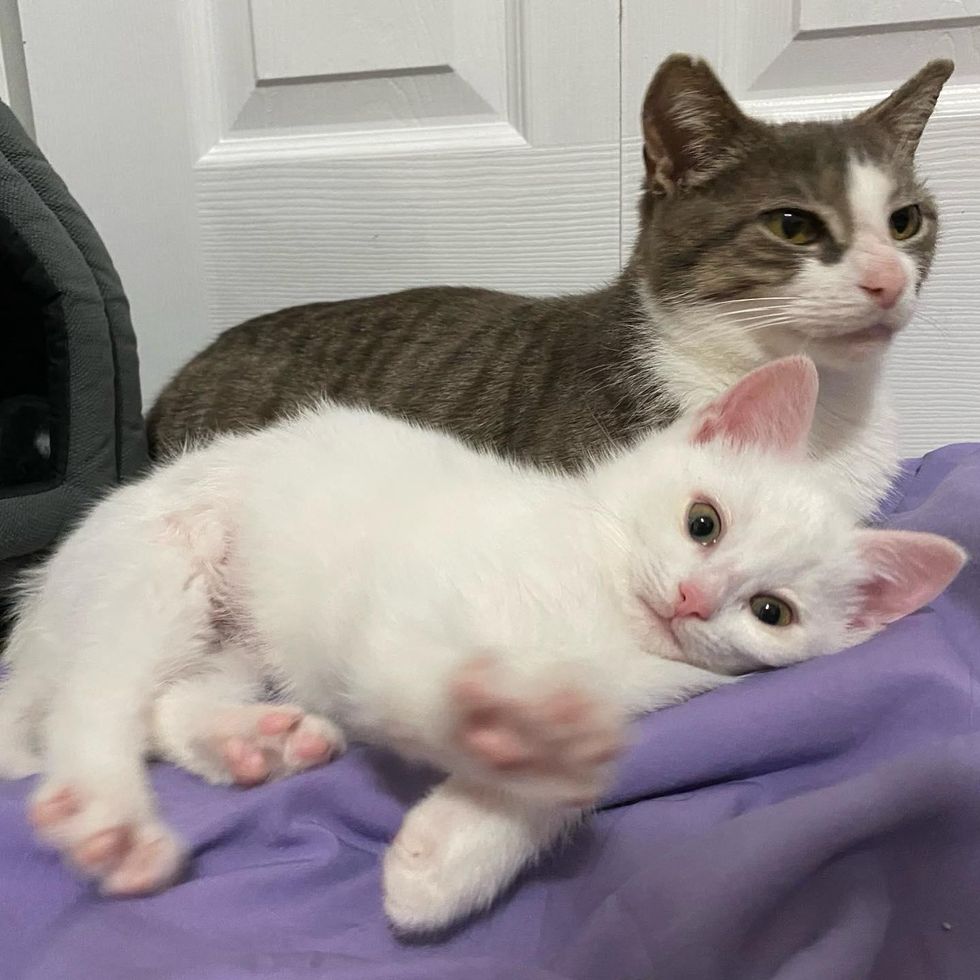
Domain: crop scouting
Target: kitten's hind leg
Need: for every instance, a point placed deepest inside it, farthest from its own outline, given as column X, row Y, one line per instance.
column 95, row 804
column 21, row 702
column 145, row 617
column 31, row 668
column 458, row 850
column 216, row 725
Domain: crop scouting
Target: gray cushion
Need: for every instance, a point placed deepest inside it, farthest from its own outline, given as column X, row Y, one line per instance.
column 103, row 425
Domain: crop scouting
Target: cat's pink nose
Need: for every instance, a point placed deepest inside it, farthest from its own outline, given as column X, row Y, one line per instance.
column 691, row 601
column 884, row 280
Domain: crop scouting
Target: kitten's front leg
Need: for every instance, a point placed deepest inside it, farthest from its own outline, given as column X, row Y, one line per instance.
column 649, row 683
column 535, row 749
column 459, row 849
column 550, row 740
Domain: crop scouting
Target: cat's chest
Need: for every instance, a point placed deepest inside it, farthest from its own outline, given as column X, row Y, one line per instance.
column 692, row 355
column 860, row 460
column 853, row 436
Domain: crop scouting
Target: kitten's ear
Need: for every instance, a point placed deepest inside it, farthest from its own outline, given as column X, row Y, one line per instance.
column 906, row 570
column 691, row 126
column 770, row 409
column 904, row 114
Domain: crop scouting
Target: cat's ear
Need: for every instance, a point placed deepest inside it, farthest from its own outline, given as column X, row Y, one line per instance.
column 904, row 114
column 770, row 409
column 691, row 125
column 905, row 570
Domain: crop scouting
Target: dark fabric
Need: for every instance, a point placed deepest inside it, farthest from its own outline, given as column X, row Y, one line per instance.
column 24, row 155
column 33, row 372
column 101, row 436
column 820, row 822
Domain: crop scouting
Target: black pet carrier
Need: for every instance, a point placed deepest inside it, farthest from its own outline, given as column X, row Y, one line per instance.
column 70, row 415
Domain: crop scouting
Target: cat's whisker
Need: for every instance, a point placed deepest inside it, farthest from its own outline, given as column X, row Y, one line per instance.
column 692, row 297
column 735, row 328
column 741, row 314
column 757, row 317
column 765, row 300
column 713, row 313
column 733, row 314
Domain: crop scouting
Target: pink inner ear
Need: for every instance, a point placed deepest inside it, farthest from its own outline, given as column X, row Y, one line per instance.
column 907, row 569
column 771, row 408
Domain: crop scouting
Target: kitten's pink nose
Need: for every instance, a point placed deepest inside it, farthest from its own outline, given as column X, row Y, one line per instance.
column 884, row 280
column 691, row 601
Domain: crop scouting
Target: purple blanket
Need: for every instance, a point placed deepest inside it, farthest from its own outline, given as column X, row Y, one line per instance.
column 819, row 822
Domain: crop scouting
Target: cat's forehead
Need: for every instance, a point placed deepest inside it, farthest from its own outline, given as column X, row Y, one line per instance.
column 814, row 162
column 762, row 494
column 785, row 531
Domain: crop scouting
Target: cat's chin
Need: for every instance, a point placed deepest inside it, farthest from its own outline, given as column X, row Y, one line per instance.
column 852, row 349
column 877, row 333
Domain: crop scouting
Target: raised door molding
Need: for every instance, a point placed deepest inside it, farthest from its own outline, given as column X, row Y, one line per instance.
column 473, row 142
column 317, row 40
column 354, row 76
column 779, row 49
column 836, row 16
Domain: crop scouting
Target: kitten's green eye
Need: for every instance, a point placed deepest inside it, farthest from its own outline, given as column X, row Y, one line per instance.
column 795, row 227
column 703, row 523
column 771, row 611
column 905, row 222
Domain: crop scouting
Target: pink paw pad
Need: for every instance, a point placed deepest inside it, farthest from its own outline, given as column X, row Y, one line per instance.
column 126, row 855
column 270, row 742
column 102, row 849
column 562, row 734
column 49, row 810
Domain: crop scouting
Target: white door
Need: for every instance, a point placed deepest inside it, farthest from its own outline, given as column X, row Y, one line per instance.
column 243, row 155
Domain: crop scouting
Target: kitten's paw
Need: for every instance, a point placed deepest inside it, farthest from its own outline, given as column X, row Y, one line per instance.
column 252, row 743
column 432, row 873
column 125, row 853
column 558, row 743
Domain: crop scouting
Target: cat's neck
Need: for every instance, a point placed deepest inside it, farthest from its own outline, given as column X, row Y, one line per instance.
column 693, row 358
column 696, row 357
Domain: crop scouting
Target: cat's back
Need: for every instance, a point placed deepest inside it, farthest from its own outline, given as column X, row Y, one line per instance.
column 390, row 488
column 253, row 372
column 538, row 379
column 354, row 470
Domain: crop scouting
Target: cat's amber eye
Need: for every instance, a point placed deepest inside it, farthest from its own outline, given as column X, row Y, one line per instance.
column 703, row 523
column 771, row 611
column 905, row 222
column 793, row 226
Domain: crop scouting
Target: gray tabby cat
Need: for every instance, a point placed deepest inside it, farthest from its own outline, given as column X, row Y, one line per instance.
column 756, row 241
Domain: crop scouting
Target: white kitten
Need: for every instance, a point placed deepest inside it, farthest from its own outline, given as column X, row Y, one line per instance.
column 497, row 622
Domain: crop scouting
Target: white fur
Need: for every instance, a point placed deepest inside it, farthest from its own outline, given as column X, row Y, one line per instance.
column 701, row 349
column 359, row 562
